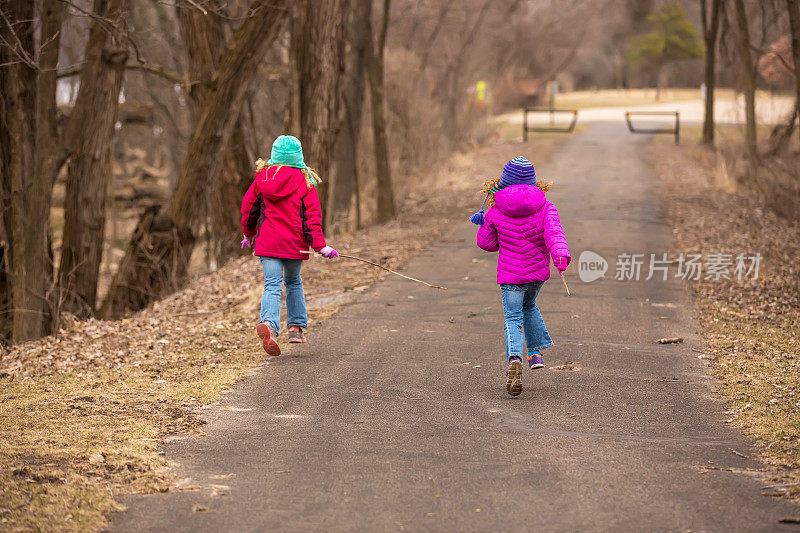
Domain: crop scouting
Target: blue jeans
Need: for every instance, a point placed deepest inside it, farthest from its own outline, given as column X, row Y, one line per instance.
column 288, row 270
column 522, row 314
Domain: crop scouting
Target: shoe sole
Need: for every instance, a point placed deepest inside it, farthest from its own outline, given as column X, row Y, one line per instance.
column 514, row 380
column 267, row 340
column 540, row 365
column 297, row 341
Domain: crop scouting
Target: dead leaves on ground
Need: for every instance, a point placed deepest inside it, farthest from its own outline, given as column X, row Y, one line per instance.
column 752, row 327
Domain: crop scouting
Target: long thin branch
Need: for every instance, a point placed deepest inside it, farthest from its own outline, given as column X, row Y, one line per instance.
column 426, row 51
column 704, row 18
column 474, row 24
column 384, row 268
column 102, row 20
column 19, row 49
column 169, row 75
column 783, row 62
column 392, row 271
column 384, row 27
column 202, row 9
column 218, row 12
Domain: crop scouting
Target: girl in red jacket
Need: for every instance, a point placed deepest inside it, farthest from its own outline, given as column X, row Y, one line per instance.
column 282, row 216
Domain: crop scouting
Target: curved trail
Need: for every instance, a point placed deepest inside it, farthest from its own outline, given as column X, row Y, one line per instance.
column 378, row 423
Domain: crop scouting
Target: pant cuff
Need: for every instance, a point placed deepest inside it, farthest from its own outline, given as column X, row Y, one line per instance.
column 275, row 328
column 542, row 347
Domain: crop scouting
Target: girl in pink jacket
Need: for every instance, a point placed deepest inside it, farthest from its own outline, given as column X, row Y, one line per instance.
column 524, row 227
column 281, row 215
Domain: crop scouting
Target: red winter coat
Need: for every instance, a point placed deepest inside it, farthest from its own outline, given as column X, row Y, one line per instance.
column 283, row 214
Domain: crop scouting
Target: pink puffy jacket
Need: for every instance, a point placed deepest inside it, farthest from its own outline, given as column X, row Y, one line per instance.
column 524, row 227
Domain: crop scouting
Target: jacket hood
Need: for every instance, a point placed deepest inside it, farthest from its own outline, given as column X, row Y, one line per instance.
column 519, row 200
column 278, row 182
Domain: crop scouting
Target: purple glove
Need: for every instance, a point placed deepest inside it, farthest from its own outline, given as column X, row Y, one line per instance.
column 247, row 241
column 329, row 252
column 561, row 263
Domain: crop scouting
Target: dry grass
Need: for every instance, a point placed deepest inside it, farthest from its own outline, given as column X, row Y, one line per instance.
column 83, row 414
column 621, row 97
column 752, row 327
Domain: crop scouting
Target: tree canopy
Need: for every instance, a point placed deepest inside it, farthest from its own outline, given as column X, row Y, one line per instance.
column 673, row 38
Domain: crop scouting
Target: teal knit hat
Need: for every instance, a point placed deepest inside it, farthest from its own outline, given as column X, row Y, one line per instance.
column 287, row 150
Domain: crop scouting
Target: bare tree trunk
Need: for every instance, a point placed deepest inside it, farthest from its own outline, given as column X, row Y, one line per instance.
column 204, row 38
column 375, row 52
column 90, row 134
column 794, row 23
column 318, row 42
column 749, row 80
column 781, row 133
column 157, row 257
column 344, row 172
column 227, row 195
column 50, row 152
column 5, row 294
column 6, row 318
column 25, row 213
column 659, row 81
column 710, row 31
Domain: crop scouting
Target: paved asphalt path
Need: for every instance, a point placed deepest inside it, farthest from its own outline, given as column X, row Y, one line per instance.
column 395, row 415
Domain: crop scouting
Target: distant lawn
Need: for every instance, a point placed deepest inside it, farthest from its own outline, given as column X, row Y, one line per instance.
column 622, row 97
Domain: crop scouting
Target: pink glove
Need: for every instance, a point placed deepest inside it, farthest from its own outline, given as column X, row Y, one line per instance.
column 561, row 263
column 247, row 241
column 329, row 252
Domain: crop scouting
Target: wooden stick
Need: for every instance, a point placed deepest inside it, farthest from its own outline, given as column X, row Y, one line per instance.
column 384, row 268
column 565, row 283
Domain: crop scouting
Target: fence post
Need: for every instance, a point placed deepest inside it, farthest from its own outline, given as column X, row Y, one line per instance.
column 677, row 127
column 524, row 124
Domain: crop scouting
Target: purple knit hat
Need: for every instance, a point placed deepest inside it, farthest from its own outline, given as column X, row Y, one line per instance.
column 518, row 171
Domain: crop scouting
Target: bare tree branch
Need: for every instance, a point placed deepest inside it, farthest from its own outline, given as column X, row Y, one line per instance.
column 109, row 24
column 782, row 61
column 426, row 52
column 384, row 26
column 17, row 48
column 162, row 72
column 193, row 3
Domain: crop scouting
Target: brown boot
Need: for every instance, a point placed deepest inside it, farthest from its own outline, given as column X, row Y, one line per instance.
column 268, row 340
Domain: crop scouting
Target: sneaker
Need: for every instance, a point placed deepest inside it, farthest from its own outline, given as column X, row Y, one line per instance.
column 514, row 379
column 296, row 334
column 268, row 340
column 535, row 361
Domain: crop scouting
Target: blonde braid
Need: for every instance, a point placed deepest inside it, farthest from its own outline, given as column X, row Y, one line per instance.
column 490, row 187
column 311, row 176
